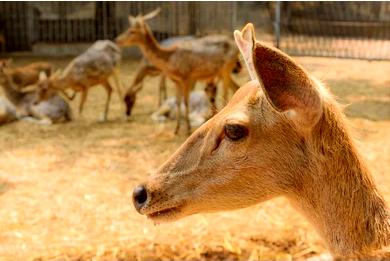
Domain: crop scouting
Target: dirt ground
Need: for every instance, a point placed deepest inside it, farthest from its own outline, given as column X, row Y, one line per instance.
column 65, row 190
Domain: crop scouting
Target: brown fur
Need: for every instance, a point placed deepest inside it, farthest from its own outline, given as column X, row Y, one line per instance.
column 298, row 147
column 184, row 64
column 26, row 105
column 24, row 76
column 93, row 67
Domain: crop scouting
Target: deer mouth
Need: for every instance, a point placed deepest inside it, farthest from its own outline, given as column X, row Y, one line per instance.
column 167, row 214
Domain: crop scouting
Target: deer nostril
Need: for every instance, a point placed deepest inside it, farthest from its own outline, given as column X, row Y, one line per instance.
column 140, row 196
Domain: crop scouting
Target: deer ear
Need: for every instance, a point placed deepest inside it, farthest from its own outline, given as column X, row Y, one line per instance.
column 131, row 19
column 287, row 86
column 42, row 76
column 152, row 14
column 245, row 41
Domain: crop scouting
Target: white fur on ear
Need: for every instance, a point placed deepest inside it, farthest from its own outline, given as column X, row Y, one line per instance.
column 42, row 76
column 152, row 14
column 245, row 41
column 131, row 19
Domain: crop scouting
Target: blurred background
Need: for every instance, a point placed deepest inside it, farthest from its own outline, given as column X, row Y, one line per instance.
column 337, row 29
column 65, row 189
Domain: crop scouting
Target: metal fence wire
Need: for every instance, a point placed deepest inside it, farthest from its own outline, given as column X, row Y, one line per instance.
column 338, row 29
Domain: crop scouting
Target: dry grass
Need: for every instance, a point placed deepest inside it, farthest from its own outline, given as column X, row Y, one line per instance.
column 65, row 190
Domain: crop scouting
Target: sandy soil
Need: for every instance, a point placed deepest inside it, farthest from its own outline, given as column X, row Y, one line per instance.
column 65, row 190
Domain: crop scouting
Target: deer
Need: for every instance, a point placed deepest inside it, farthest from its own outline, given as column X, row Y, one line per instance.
column 7, row 112
column 281, row 134
column 24, row 105
column 25, row 76
column 200, row 108
column 93, row 67
column 146, row 69
column 200, row 59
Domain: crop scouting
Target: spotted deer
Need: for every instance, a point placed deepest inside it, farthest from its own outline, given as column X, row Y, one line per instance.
column 93, row 67
column 200, row 59
column 282, row 134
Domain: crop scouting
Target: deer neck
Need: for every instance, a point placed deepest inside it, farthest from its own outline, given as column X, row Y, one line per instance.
column 61, row 83
column 11, row 92
column 154, row 52
column 339, row 196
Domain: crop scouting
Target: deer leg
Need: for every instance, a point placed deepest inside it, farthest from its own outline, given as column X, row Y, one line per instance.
column 69, row 97
column 45, row 121
column 108, row 88
column 165, row 94
column 179, row 94
column 186, row 95
column 83, row 98
column 118, row 85
column 163, row 89
column 38, row 117
column 187, row 111
column 211, row 91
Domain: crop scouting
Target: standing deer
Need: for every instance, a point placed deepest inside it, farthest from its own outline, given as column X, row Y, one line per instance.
column 200, row 59
column 146, row 69
column 25, row 105
column 95, row 66
column 282, row 134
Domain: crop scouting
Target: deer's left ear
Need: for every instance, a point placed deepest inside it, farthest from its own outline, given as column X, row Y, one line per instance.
column 287, row 86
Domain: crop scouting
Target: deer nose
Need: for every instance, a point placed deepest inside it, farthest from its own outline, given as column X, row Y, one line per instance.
column 140, row 196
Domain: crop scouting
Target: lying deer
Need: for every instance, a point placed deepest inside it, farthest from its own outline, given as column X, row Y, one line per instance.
column 199, row 104
column 25, row 105
column 7, row 112
column 282, row 134
column 201, row 59
column 95, row 66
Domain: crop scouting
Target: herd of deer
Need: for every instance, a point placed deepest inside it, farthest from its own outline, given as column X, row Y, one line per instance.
column 282, row 134
column 184, row 60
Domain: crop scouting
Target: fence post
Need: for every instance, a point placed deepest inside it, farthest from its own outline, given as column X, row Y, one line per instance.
column 277, row 24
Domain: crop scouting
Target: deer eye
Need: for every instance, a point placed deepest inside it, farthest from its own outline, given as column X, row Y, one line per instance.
column 235, row 131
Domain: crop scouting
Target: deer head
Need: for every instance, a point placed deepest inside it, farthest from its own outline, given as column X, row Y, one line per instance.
column 48, row 86
column 254, row 149
column 129, row 100
column 137, row 31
